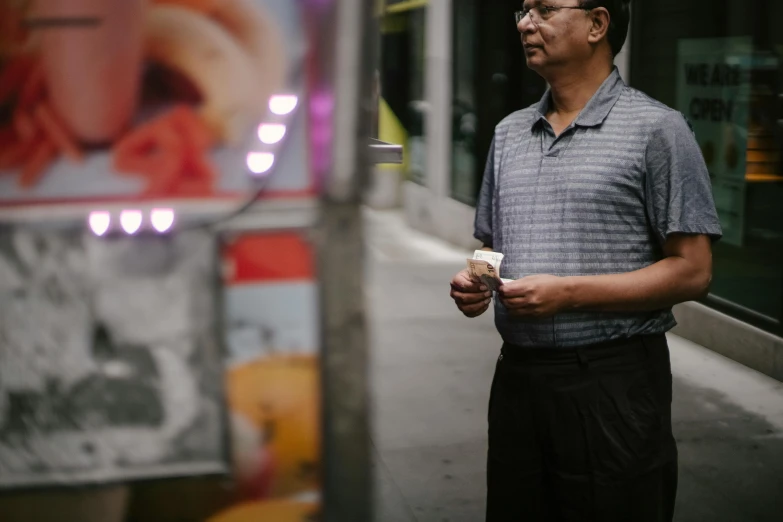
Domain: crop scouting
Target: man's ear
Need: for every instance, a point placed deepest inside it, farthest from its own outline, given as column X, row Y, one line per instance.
column 600, row 24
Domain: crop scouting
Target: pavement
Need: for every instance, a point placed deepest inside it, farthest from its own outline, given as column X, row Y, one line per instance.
column 431, row 373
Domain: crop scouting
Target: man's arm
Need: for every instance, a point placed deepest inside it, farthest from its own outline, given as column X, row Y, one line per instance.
column 678, row 195
column 683, row 275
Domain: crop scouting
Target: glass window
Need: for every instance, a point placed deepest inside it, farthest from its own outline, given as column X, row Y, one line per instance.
column 464, row 179
column 719, row 63
column 490, row 80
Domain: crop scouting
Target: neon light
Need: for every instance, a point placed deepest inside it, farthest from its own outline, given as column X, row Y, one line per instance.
column 99, row 222
column 282, row 104
column 260, row 162
column 271, row 133
column 162, row 219
column 130, row 221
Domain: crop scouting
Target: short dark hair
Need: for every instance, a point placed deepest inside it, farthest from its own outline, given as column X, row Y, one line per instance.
column 620, row 14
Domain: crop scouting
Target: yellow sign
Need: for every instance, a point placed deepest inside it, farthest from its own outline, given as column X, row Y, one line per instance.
column 398, row 6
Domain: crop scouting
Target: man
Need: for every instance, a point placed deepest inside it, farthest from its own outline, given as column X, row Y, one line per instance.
column 601, row 203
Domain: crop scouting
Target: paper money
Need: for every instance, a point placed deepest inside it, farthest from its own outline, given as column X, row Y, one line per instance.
column 493, row 258
column 486, row 272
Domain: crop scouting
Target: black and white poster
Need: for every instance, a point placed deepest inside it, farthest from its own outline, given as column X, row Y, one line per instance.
column 110, row 358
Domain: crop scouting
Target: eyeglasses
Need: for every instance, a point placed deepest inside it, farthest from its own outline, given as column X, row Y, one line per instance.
column 542, row 12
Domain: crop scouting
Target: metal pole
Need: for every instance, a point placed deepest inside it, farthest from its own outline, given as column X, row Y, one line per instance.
column 346, row 399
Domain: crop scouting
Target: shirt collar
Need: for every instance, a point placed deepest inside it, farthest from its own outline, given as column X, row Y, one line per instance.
column 596, row 110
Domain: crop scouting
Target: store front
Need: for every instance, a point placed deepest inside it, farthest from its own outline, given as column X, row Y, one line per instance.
column 720, row 64
column 716, row 61
column 402, row 102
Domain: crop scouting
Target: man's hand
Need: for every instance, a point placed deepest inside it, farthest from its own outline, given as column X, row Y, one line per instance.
column 472, row 297
column 535, row 296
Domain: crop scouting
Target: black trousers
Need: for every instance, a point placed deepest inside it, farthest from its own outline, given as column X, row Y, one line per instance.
column 582, row 434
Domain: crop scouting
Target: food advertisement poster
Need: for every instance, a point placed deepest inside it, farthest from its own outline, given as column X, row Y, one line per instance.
column 116, row 100
column 714, row 94
column 272, row 378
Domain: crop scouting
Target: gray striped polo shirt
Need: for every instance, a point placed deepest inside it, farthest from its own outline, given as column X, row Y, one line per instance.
column 599, row 199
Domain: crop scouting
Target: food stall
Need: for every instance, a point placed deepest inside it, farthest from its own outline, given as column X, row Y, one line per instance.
column 181, row 259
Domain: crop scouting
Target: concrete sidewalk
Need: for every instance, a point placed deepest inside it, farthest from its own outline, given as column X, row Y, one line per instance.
column 432, row 370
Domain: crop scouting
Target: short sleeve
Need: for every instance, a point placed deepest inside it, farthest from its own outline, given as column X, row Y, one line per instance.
column 678, row 189
column 483, row 225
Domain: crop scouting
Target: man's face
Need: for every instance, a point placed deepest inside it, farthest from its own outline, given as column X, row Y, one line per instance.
column 554, row 34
